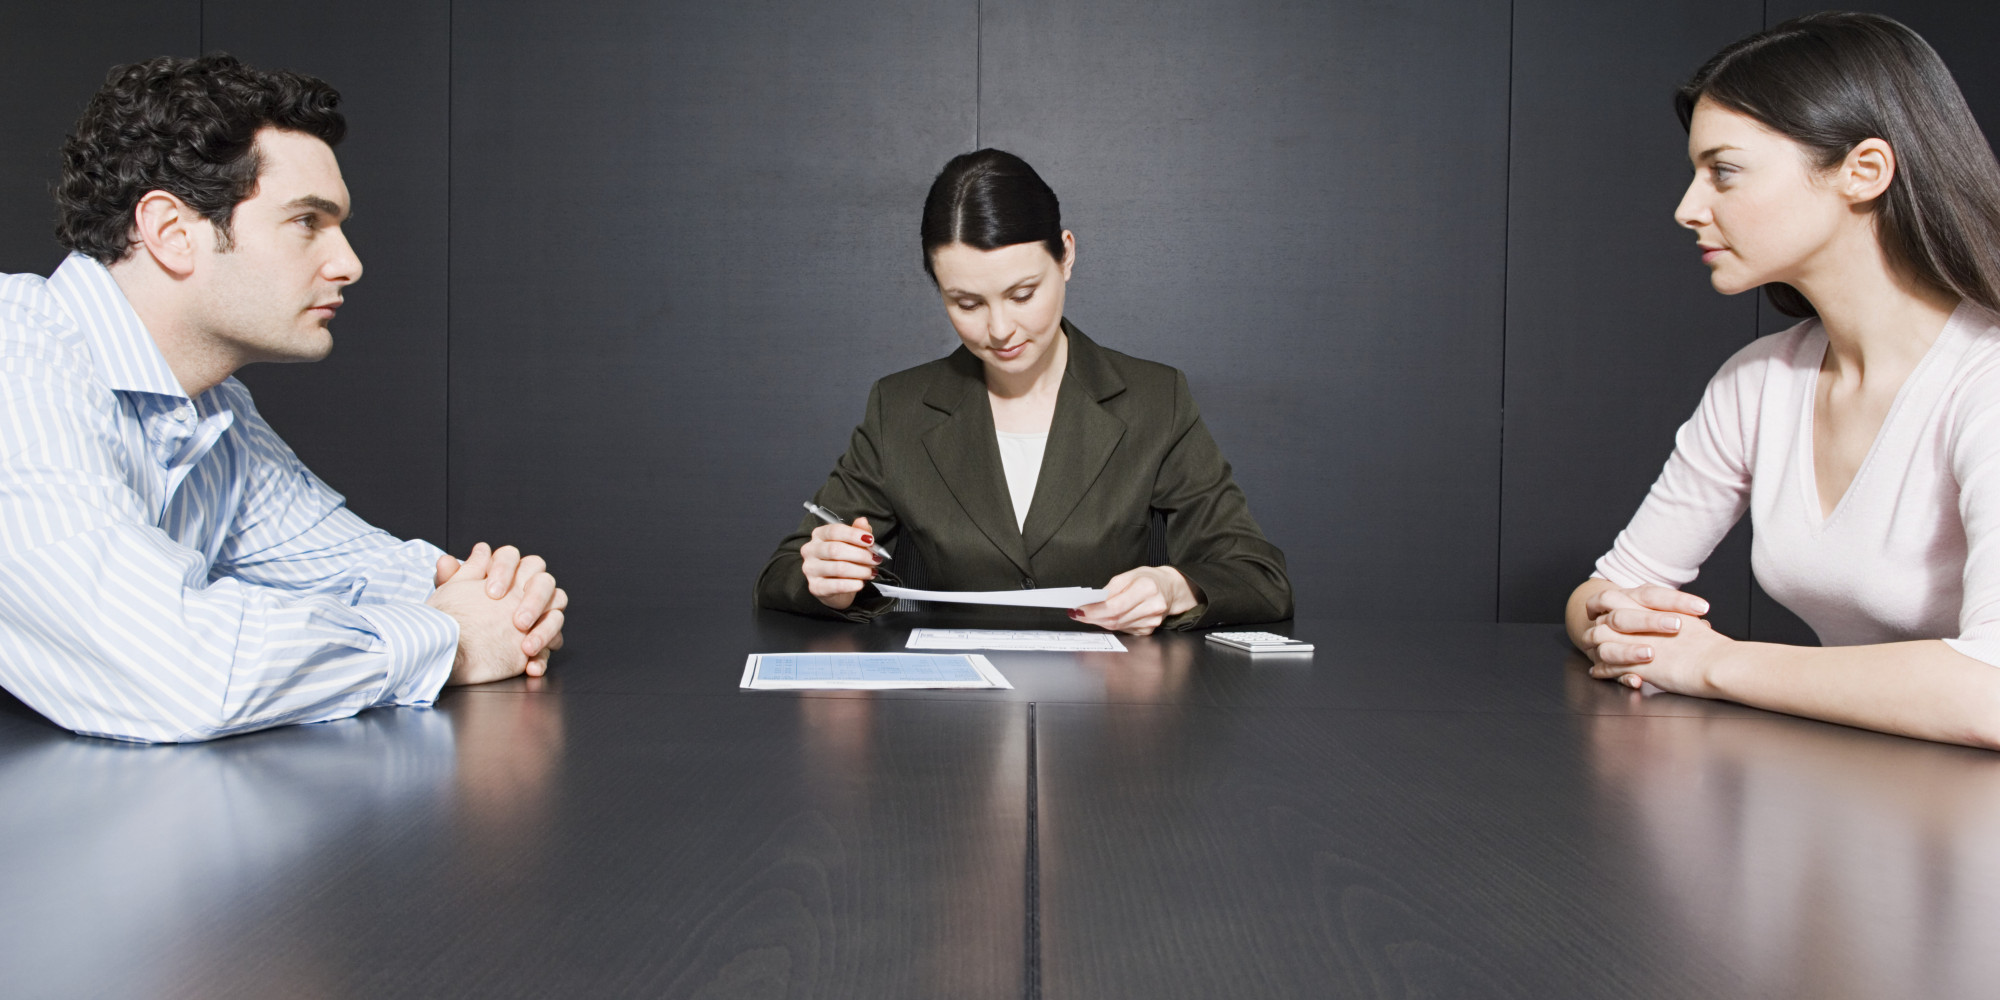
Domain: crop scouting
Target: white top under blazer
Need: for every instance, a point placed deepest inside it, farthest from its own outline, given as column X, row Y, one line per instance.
column 1912, row 551
column 1021, row 460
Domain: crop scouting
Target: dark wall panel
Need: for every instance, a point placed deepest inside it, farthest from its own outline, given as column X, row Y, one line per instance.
column 53, row 56
column 1612, row 327
column 370, row 419
column 1301, row 206
column 684, row 243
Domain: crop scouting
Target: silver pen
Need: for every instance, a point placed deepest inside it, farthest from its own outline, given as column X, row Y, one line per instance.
column 832, row 518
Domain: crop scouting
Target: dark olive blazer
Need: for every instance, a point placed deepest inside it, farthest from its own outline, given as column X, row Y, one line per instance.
column 1126, row 441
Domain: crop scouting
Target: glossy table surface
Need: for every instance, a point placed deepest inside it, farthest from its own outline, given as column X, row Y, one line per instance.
column 1413, row 810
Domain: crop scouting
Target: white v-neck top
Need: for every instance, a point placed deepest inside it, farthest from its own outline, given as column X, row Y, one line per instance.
column 1912, row 551
column 1021, row 459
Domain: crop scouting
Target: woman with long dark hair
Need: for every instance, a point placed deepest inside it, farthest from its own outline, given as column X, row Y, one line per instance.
column 1031, row 456
column 1837, row 168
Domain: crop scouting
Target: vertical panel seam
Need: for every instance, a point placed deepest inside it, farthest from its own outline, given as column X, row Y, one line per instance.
column 978, row 65
column 1031, row 978
column 1506, row 253
column 450, row 76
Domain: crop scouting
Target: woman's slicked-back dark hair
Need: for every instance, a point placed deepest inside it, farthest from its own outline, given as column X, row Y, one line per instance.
column 184, row 126
column 987, row 200
column 1829, row 81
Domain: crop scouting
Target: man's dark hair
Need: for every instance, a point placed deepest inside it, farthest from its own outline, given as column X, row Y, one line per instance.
column 987, row 200
column 184, row 126
column 1831, row 80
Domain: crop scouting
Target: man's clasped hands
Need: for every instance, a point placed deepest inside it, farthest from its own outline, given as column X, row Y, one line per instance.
column 509, row 613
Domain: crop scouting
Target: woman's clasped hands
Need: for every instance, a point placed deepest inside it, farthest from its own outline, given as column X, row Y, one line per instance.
column 1652, row 635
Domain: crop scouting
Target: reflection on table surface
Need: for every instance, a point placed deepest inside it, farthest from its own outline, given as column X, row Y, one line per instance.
column 1818, row 860
column 1464, row 809
column 512, row 844
column 139, row 851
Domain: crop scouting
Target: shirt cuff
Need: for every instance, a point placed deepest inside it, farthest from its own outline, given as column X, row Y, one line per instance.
column 409, row 574
column 1609, row 569
column 1191, row 618
column 1986, row 651
column 422, row 641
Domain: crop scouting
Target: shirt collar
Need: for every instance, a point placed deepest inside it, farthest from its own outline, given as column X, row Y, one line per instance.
column 128, row 359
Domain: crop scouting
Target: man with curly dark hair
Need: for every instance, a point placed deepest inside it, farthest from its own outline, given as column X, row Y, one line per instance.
column 169, row 571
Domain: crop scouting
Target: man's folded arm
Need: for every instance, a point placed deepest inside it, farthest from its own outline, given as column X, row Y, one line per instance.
column 111, row 632
column 295, row 533
column 110, row 627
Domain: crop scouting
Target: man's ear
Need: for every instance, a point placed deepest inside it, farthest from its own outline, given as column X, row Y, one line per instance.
column 165, row 227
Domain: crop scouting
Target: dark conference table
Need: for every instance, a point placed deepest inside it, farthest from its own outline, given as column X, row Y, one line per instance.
column 1433, row 810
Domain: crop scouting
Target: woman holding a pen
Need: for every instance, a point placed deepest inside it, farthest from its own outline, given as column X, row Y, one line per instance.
column 1031, row 456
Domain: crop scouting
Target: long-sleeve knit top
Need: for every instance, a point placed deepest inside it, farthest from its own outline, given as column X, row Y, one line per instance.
column 1911, row 551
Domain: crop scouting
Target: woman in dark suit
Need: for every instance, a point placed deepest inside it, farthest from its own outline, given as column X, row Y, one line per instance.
column 1031, row 456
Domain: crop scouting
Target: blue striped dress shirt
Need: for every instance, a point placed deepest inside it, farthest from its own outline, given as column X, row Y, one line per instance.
column 169, row 571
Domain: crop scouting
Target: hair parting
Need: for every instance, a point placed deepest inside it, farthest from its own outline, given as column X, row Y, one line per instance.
column 987, row 200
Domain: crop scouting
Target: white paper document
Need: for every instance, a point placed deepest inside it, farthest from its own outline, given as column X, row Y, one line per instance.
column 1047, row 597
column 994, row 638
column 869, row 671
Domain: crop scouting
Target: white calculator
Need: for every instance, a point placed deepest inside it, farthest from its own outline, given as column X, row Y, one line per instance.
column 1260, row 642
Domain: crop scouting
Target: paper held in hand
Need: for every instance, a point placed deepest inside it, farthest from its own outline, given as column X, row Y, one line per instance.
column 1047, row 597
column 868, row 671
column 1014, row 639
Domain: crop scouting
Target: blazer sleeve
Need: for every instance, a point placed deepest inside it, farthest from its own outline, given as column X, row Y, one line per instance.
column 1211, row 537
column 855, row 489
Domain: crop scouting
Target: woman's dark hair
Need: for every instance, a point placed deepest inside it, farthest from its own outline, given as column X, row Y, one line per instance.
column 1829, row 81
column 184, row 126
column 987, row 200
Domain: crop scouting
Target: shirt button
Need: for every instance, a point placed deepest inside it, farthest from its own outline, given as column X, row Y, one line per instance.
column 1027, row 583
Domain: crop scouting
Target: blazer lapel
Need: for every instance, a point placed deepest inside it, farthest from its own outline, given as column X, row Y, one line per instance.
column 1082, row 438
column 963, row 449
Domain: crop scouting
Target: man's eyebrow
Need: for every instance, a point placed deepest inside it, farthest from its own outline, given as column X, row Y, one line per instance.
column 317, row 204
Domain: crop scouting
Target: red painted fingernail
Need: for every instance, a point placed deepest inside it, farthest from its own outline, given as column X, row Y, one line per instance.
column 867, row 539
column 1075, row 613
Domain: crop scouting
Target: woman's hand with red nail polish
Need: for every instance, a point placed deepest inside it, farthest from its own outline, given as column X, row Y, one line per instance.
column 837, row 563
